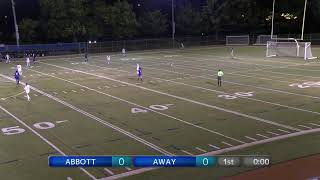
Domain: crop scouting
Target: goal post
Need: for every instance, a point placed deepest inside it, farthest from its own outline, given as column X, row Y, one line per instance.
column 263, row 39
column 289, row 48
column 238, row 40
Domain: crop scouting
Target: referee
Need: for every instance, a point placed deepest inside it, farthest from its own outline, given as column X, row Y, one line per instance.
column 220, row 75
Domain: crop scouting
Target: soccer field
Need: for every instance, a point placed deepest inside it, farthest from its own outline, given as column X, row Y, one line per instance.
column 266, row 106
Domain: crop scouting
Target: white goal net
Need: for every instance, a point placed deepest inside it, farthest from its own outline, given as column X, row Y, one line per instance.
column 263, row 39
column 289, row 49
column 238, row 40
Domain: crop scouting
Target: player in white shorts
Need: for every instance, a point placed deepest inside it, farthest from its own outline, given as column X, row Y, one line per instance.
column 7, row 58
column 28, row 61
column 27, row 90
column 232, row 53
column 108, row 59
column 123, row 52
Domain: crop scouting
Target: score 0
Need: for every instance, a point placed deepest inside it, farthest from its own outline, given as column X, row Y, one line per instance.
column 205, row 161
column 121, row 161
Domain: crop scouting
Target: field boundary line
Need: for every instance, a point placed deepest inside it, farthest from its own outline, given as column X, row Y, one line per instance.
column 44, row 139
column 149, row 109
column 151, row 145
column 221, row 151
column 183, row 99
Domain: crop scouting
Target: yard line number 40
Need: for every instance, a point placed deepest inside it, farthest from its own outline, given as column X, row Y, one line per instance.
column 156, row 107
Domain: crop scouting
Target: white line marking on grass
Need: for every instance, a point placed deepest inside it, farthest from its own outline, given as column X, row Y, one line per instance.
column 251, row 138
column 115, row 86
column 99, row 87
column 262, row 135
column 202, row 150
column 58, row 122
column 307, row 127
column 186, row 152
column 43, row 139
column 127, row 168
column 82, row 90
column 284, row 131
column 149, row 109
column 314, row 124
column 107, row 87
column 35, row 95
column 108, row 171
column 69, row 178
column 184, row 99
column 31, row 75
column 216, row 147
column 116, row 128
column 74, row 91
column 65, row 92
column 226, row 143
column 273, row 133
column 55, row 93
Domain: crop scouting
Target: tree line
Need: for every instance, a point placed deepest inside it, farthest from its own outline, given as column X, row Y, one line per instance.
column 82, row 20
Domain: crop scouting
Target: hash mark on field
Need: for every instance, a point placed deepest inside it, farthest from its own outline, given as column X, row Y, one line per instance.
column 123, row 85
column 227, row 144
column 273, row 133
column 106, row 86
column 187, row 152
column 283, row 130
column 53, row 73
column 74, row 91
column 315, row 124
column 262, row 135
column 307, row 127
column 69, row 178
column 99, row 87
column 35, row 95
column 216, row 147
column 55, row 93
column 82, row 90
column 115, row 86
column 65, row 92
column 109, row 171
column 127, row 168
column 3, row 99
column 58, row 122
column 202, row 150
column 251, row 138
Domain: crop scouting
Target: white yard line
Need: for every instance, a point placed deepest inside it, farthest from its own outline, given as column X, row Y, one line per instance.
column 128, row 169
column 273, row 133
column 262, row 135
column 43, row 139
column 251, row 138
column 200, row 149
column 307, row 127
column 228, row 144
column 184, row 151
column 183, row 99
column 151, row 145
column 284, row 131
column 149, row 109
column 314, row 124
column 216, row 147
column 108, row 171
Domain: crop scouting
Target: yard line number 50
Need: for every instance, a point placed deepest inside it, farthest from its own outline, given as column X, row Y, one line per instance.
column 18, row 130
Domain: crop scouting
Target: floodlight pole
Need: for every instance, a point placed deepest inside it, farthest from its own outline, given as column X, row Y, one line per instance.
column 304, row 18
column 173, row 23
column 15, row 22
column 273, row 6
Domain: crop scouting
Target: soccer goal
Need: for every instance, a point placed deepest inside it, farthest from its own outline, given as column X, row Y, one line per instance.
column 263, row 39
column 238, row 40
column 289, row 48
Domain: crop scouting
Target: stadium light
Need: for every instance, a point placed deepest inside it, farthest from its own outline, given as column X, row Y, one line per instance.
column 173, row 22
column 15, row 22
